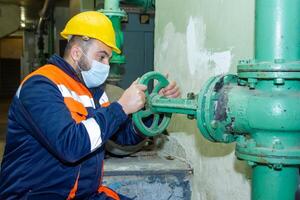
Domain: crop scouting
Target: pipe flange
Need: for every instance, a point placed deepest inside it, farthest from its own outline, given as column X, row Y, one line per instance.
column 212, row 119
column 279, row 68
column 119, row 13
column 247, row 149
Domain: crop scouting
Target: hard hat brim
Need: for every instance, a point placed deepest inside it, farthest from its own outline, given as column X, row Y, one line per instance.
column 114, row 48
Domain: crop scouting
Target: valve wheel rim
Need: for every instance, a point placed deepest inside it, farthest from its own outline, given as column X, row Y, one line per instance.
column 157, row 126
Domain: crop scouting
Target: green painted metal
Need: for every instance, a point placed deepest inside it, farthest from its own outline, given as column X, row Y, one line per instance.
column 269, row 183
column 212, row 117
column 160, row 104
column 117, row 61
column 277, row 30
column 160, row 120
column 146, row 4
column 272, row 145
column 112, row 8
column 259, row 108
column 116, row 14
column 279, row 68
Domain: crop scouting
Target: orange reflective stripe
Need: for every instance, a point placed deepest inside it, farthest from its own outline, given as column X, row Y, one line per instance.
column 109, row 192
column 78, row 111
column 59, row 77
column 72, row 193
column 106, row 104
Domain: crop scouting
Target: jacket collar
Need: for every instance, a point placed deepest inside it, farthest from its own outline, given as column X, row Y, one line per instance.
column 64, row 65
column 67, row 68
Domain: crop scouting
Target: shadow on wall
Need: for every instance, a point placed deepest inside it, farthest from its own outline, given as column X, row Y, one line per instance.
column 180, row 123
column 242, row 167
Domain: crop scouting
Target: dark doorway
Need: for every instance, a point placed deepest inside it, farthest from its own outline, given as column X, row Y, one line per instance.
column 10, row 68
column 10, row 77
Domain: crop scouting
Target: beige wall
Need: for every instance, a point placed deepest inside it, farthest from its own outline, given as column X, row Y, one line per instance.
column 11, row 48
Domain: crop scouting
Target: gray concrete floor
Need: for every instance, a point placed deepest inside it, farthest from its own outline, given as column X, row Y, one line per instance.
column 4, row 105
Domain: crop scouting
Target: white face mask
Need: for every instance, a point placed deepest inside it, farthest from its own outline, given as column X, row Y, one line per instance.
column 96, row 75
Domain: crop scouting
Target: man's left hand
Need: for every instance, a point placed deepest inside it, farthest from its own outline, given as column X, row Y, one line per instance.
column 171, row 91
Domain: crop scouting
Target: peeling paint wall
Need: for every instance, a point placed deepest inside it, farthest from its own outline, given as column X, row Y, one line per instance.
column 194, row 40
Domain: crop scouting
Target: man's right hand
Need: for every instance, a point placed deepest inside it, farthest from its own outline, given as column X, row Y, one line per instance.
column 133, row 99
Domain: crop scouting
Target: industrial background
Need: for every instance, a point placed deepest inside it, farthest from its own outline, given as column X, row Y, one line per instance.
column 231, row 137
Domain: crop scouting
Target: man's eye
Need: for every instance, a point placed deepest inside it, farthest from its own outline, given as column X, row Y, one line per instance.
column 102, row 58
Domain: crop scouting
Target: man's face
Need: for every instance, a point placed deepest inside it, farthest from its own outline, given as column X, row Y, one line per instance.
column 96, row 51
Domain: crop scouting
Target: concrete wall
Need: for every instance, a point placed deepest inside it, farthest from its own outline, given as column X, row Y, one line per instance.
column 9, row 19
column 194, row 40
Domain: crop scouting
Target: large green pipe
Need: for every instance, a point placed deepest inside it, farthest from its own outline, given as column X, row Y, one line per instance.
column 270, row 184
column 277, row 30
column 277, row 36
column 259, row 108
column 115, row 13
column 112, row 4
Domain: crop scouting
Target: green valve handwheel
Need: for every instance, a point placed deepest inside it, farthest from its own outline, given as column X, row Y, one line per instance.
column 160, row 120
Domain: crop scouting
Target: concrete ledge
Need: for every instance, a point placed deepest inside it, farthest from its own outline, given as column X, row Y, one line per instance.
column 149, row 176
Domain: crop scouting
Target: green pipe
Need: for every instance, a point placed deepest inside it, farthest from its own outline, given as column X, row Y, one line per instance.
column 116, row 21
column 115, row 13
column 146, row 4
column 269, row 183
column 112, row 5
column 180, row 106
column 259, row 108
column 277, row 30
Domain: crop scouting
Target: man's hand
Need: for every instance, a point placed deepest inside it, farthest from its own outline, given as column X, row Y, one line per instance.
column 171, row 91
column 133, row 99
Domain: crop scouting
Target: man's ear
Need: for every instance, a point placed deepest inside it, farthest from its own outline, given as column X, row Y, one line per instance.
column 75, row 53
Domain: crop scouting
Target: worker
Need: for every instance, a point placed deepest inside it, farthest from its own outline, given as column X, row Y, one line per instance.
column 60, row 119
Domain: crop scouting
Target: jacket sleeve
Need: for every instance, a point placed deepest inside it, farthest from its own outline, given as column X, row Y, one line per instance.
column 128, row 134
column 67, row 140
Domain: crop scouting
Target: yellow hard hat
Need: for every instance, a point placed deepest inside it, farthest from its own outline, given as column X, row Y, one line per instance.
column 92, row 24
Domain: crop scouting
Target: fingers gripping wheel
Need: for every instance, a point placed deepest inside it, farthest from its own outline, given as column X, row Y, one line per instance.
column 160, row 121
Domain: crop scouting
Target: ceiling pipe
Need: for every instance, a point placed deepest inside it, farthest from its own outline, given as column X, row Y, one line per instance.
column 45, row 14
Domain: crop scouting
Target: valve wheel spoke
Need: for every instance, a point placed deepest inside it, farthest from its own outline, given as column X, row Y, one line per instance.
column 145, row 113
column 157, row 88
column 154, row 124
column 157, row 126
